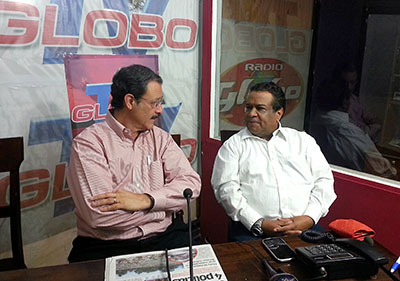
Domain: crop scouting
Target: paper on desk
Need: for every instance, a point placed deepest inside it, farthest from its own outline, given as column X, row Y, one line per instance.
column 152, row 266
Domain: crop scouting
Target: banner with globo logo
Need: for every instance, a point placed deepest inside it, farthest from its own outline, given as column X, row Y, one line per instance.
column 57, row 61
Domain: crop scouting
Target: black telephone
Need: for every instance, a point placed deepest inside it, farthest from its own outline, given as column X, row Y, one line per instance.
column 346, row 258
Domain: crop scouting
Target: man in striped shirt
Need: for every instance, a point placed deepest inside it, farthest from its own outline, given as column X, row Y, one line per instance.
column 127, row 176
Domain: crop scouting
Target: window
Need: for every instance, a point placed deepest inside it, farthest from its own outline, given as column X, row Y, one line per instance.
column 261, row 41
column 355, row 104
column 354, row 52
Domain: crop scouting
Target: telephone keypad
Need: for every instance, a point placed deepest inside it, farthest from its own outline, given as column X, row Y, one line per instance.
column 330, row 251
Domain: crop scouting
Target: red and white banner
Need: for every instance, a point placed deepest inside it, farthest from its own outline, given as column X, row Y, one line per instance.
column 57, row 60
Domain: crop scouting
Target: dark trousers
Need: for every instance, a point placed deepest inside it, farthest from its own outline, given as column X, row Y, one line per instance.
column 88, row 248
column 240, row 233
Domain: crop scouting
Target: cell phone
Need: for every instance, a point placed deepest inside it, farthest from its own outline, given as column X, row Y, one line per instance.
column 278, row 248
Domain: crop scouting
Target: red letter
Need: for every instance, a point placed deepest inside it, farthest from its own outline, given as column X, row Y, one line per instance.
column 59, row 179
column 244, row 38
column 193, row 144
column 143, row 27
column 89, row 31
column 82, row 113
column 284, row 48
column 49, row 30
column 27, row 29
column 297, row 42
column 171, row 28
column 38, row 191
column 97, row 116
column 265, row 39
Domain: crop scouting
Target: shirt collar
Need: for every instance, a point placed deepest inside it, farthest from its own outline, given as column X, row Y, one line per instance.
column 245, row 133
column 118, row 128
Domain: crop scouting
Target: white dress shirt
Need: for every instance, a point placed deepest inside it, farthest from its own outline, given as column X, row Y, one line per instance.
column 284, row 177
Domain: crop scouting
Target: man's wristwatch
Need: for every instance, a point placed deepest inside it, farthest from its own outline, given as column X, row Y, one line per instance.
column 256, row 229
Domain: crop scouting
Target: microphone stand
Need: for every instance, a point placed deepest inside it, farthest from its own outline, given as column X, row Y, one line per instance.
column 187, row 193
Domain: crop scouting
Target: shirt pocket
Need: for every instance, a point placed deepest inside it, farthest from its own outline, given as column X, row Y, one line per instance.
column 156, row 174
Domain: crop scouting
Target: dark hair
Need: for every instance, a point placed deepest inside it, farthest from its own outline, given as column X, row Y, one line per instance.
column 279, row 96
column 333, row 95
column 132, row 79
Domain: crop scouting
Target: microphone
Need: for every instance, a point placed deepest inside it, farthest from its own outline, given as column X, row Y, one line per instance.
column 187, row 193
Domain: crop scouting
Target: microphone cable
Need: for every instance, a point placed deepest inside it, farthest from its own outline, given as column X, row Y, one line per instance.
column 272, row 274
column 279, row 273
column 187, row 193
column 312, row 236
column 167, row 264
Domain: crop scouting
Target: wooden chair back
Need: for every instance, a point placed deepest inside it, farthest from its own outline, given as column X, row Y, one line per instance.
column 11, row 157
column 177, row 139
column 226, row 134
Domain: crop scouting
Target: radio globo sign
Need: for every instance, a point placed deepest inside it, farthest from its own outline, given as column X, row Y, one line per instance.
column 236, row 82
column 142, row 31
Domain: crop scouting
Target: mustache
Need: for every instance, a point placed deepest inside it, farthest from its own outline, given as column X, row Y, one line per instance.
column 155, row 116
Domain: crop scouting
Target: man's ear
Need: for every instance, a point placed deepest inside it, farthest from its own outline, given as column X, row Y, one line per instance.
column 129, row 101
column 279, row 114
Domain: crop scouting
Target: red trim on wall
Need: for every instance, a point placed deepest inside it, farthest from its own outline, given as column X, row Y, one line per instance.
column 371, row 203
column 365, row 182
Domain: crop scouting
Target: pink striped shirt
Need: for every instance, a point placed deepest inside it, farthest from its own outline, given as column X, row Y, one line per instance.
column 104, row 158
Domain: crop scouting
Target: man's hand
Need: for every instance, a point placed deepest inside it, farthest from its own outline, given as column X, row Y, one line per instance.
column 270, row 227
column 121, row 200
column 287, row 226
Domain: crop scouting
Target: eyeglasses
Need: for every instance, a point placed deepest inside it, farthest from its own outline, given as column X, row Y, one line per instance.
column 259, row 108
column 154, row 103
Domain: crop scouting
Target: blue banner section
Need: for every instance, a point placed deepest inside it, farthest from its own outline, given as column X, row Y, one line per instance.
column 168, row 117
column 155, row 7
column 51, row 131
column 63, row 206
column 68, row 23
column 103, row 95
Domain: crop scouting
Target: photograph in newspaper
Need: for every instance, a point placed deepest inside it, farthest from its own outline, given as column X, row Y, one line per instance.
column 153, row 265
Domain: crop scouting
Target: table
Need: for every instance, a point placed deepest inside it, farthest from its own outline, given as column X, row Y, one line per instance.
column 240, row 261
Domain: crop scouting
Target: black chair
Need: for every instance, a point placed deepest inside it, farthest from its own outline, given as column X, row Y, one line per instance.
column 11, row 157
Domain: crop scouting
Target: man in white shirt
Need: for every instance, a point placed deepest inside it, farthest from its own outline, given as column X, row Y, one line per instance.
column 273, row 180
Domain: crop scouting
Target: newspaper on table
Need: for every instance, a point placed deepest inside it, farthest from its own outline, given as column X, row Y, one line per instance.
column 153, row 266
